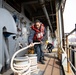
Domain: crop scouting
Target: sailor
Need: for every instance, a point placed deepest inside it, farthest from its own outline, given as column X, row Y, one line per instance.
column 49, row 46
column 37, row 34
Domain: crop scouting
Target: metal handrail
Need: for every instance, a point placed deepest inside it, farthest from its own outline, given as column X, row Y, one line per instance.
column 68, row 52
column 72, row 65
column 69, row 59
column 71, row 32
column 71, row 49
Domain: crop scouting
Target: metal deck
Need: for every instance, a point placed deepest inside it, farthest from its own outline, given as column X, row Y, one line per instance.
column 52, row 66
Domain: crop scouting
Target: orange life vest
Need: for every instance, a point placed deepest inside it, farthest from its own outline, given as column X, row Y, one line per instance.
column 38, row 33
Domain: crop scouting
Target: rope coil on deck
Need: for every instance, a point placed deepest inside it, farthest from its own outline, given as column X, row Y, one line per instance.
column 20, row 68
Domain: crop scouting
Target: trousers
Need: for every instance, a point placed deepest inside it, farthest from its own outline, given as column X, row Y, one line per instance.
column 38, row 51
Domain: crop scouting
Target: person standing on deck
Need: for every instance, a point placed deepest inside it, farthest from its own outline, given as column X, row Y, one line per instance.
column 37, row 34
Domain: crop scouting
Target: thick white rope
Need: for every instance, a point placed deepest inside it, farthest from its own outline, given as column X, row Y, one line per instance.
column 14, row 55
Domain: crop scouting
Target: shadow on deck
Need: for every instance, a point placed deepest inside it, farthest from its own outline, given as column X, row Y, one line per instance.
column 52, row 65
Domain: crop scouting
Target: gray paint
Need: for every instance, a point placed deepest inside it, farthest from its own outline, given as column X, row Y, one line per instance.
column 11, row 27
column 0, row 3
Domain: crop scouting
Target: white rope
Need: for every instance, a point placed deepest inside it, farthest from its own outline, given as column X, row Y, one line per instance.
column 12, row 67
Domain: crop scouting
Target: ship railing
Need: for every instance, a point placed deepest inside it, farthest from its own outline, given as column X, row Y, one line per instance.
column 68, row 51
column 71, row 59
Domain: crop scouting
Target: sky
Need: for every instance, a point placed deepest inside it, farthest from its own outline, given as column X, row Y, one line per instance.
column 69, row 15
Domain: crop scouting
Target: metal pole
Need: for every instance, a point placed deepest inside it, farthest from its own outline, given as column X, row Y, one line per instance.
column 68, row 55
column 47, row 16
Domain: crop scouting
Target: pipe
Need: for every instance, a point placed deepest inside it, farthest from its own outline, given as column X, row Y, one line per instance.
column 47, row 16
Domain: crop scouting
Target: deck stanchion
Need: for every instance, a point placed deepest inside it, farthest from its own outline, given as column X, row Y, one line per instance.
column 68, row 55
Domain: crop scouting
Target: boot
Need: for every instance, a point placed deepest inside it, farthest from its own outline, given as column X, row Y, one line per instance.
column 50, row 51
column 43, row 58
column 42, row 62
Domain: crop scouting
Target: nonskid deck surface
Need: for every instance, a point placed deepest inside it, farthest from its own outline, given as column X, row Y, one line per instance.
column 52, row 66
